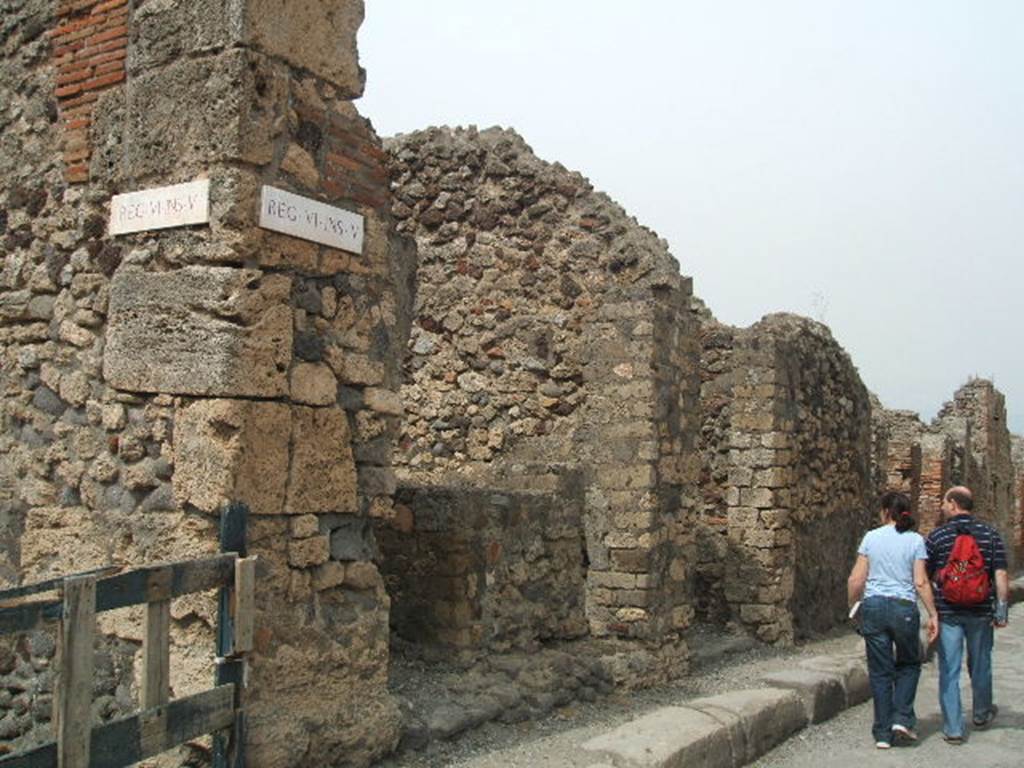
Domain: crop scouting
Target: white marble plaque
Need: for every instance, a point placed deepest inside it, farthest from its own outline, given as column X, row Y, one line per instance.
column 311, row 220
column 175, row 206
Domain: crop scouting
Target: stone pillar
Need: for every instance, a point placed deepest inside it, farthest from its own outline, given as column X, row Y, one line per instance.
column 178, row 369
column 936, row 478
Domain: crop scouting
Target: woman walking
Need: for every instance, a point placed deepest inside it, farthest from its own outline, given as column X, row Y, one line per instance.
column 890, row 568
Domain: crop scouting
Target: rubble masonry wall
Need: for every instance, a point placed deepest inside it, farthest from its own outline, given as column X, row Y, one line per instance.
column 552, row 331
column 150, row 378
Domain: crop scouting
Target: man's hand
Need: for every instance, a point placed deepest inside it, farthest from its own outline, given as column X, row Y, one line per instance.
column 1002, row 615
column 933, row 629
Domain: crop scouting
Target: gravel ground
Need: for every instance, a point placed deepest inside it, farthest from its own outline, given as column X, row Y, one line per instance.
column 554, row 741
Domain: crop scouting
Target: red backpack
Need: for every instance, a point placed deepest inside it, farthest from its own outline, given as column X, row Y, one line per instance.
column 964, row 580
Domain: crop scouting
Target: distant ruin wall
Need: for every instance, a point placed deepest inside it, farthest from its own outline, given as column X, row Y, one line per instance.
column 976, row 420
column 149, row 378
column 1017, row 454
column 967, row 443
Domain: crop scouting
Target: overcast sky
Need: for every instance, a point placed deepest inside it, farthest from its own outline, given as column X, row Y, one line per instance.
column 858, row 162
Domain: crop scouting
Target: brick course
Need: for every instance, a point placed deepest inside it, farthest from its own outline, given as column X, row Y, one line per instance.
column 89, row 46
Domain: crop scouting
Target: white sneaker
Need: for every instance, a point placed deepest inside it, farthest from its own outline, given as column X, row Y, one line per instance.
column 903, row 732
column 882, row 745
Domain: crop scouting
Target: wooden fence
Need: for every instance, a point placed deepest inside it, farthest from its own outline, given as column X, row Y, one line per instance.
column 161, row 723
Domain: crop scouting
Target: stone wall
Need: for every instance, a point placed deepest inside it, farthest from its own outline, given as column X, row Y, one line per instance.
column 477, row 570
column 1017, row 453
column 967, row 443
column 150, row 378
column 976, row 420
column 552, row 330
column 787, row 487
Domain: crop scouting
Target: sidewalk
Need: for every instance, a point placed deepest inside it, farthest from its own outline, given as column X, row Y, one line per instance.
column 846, row 741
column 818, row 710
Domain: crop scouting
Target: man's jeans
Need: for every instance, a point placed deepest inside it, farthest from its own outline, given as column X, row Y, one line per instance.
column 890, row 629
column 953, row 632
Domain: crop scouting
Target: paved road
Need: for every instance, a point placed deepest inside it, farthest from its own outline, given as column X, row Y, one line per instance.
column 845, row 741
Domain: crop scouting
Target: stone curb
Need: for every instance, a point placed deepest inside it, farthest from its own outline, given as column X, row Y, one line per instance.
column 735, row 728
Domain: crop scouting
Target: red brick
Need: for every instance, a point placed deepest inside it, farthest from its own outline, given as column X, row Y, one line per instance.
column 74, row 76
column 111, row 19
column 100, row 58
column 69, row 27
column 110, row 66
column 80, row 112
column 79, row 34
column 73, row 6
column 336, row 159
column 119, row 44
column 84, row 98
column 108, row 34
column 103, row 82
column 70, row 48
column 76, row 174
column 68, row 90
column 77, row 124
column 76, row 139
column 72, row 156
column 109, row 5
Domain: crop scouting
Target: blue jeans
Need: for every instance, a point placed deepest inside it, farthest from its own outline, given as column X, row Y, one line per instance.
column 890, row 629
column 954, row 631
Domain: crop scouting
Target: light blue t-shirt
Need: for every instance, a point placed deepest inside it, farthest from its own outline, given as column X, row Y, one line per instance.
column 891, row 557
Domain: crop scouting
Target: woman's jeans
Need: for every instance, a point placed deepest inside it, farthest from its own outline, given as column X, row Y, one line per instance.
column 890, row 627
column 954, row 633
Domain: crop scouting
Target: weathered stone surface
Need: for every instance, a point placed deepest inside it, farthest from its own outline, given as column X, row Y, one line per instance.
column 199, row 331
column 670, row 736
column 305, row 553
column 194, row 112
column 852, row 673
column 821, row 692
column 757, row 719
column 313, row 384
column 304, row 526
column 232, row 450
column 322, row 477
column 309, row 36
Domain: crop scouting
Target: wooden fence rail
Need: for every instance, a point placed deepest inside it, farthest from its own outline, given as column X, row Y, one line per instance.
column 161, row 724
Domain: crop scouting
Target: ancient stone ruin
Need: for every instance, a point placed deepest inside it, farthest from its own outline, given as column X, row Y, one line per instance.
column 501, row 431
column 149, row 378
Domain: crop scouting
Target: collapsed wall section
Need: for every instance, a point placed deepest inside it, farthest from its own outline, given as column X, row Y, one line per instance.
column 552, row 333
column 788, row 487
column 149, row 378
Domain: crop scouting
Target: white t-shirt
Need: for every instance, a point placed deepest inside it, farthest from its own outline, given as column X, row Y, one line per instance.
column 891, row 557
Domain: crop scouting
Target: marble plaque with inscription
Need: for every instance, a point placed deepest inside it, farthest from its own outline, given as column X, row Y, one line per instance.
column 178, row 205
column 309, row 219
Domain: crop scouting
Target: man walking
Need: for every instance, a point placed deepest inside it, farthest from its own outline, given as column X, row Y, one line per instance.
column 962, row 620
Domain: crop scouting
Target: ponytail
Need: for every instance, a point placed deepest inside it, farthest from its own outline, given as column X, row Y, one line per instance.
column 897, row 506
column 905, row 522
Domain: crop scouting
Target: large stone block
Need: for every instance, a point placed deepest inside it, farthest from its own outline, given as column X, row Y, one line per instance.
column 212, row 331
column 232, row 450
column 182, row 117
column 311, row 34
column 323, row 472
column 315, row 35
column 670, row 736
